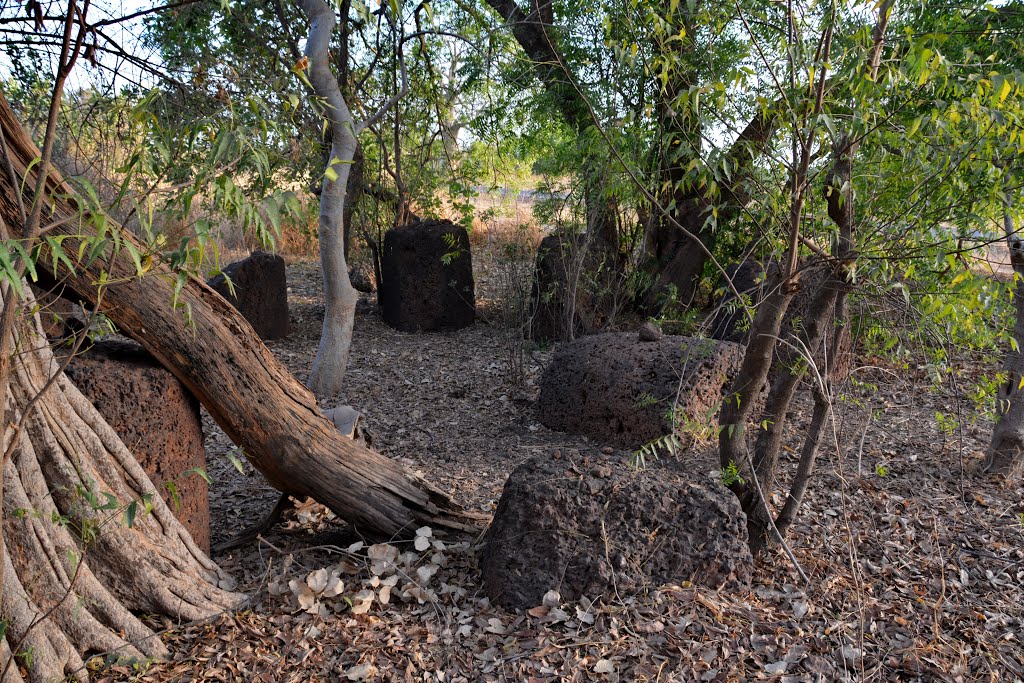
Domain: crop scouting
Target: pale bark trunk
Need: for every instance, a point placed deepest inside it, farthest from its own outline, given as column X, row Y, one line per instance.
column 63, row 595
column 222, row 361
column 328, row 372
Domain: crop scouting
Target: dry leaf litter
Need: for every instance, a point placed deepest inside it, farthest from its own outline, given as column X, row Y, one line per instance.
column 916, row 561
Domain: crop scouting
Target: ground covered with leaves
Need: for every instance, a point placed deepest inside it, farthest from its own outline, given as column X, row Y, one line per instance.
column 915, row 560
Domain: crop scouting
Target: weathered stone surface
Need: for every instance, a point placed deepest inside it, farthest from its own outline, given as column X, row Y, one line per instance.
column 618, row 389
column 573, row 290
column 549, row 319
column 750, row 279
column 649, row 332
column 596, row 527
column 261, row 292
column 427, row 273
column 730, row 322
column 360, row 281
column 158, row 420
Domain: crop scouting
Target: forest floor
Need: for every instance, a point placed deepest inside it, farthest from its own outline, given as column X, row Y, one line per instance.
column 915, row 561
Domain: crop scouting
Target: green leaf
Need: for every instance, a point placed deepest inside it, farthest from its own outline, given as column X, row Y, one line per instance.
column 1004, row 90
column 233, row 457
column 136, row 258
column 175, row 497
column 179, row 284
column 129, row 514
column 10, row 271
column 914, row 125
column 28, row 168
column 200, row 471
column 26, row 258
column 73, row 561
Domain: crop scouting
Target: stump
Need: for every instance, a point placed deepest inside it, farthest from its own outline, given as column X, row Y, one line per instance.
column 157, row 418
column 621, row 390
column 261, row 292
column 596, row 527
column 427, row 272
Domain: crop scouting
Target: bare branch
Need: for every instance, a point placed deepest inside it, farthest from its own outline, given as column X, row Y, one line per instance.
column 393, row 100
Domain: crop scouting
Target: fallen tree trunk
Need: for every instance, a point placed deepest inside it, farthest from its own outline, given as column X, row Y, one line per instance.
column 223, row 362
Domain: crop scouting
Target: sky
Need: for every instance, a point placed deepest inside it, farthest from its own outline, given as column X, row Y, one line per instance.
column 113, row 71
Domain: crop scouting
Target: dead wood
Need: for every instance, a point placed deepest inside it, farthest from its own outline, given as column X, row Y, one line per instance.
column 222, row 361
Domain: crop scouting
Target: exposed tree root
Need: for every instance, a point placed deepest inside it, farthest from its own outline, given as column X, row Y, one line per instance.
column 75, row 573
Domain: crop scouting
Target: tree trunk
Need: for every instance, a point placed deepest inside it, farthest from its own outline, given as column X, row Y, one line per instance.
column 675, row 261
column 734, row 450
column 325, row 379
column 788, row 369
column 1006, row 451
column 75, row 574
column 222, row 361
column 533, row 33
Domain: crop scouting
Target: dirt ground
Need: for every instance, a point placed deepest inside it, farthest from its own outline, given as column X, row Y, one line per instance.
column 915, row 562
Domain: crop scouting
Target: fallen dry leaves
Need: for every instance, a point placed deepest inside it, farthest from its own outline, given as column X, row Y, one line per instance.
column 916, row 562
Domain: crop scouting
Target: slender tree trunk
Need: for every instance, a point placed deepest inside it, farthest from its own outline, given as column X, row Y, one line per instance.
column 76, row 575
column 325, row 379
column 827, row 300
column 788, row 370
column 222, row 361
column 734, row 449
column 821, row 385
column 1006, row 451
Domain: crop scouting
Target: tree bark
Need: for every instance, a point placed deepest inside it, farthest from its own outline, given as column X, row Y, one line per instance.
column 1006, row 450
column 222, row 361
column 74, row 575
column 325, row 379
column 534, row 34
